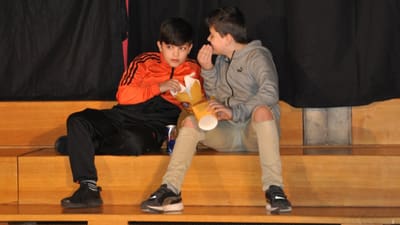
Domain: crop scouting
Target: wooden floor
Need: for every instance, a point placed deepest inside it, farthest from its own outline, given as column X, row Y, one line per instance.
column 119, row 215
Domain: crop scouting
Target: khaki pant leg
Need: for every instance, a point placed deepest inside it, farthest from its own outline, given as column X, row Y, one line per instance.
column 268, row 148
column 182, row 155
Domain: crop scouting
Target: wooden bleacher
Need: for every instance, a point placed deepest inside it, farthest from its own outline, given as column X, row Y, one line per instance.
column 355, row 184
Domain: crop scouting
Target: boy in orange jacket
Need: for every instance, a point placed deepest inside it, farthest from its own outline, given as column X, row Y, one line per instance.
column 137, row 123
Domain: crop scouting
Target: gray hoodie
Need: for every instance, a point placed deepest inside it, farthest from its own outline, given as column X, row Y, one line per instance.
column 247, row 80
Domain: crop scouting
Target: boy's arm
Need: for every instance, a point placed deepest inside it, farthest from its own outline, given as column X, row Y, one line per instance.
column 209, row 81
column 132, row 89
column 208, row 70
column 264, row 72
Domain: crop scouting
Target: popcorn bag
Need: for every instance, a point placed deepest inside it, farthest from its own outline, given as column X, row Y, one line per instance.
column 192, row 99
column 191, row 92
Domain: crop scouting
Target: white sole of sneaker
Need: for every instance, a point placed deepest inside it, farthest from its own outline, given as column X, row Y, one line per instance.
column 167, row 208
column 278, row 210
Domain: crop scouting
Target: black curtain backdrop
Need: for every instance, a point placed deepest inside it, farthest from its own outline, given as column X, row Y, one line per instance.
column 328, row 53
column 57, row 49
column 342, row 52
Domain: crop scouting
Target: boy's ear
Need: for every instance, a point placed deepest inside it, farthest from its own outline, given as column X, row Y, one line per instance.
column 190, row 47
column 159, row 46
column 229, row 38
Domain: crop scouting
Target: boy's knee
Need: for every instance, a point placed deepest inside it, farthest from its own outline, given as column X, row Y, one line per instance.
column 73, row 118
column 81, row 118
column 189, row 122
column 262, row 113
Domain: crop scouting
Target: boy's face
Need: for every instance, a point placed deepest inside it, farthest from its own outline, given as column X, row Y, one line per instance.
column 174, row 55
column 217, row 41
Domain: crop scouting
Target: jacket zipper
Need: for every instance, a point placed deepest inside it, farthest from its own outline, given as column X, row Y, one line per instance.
column 172, row 73
column 226, row 79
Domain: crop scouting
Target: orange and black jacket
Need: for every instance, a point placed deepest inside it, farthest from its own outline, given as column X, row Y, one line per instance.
column 140, row 82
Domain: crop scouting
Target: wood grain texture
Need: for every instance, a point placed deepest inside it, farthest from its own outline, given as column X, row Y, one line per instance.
column 8, row 180
column 291, row 125
column 9, row 175
column 119, row 215
column 39, row 124
column 222, row 179
column 377, row 123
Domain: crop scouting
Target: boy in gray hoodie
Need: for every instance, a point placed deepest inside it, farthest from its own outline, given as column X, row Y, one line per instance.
column 243, row 86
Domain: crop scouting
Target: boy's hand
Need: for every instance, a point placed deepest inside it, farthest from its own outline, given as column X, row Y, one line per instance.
column 204, row 57
column 170, row 85
column 222, row 112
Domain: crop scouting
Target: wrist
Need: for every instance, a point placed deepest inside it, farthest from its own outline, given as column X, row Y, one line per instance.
column 210, row 67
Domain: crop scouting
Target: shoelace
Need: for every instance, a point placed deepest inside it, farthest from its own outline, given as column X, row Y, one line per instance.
column 277, row 195
column 162, row 190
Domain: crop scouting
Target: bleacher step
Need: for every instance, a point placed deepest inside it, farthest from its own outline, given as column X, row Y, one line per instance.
column 221, row 179
column 9, row 174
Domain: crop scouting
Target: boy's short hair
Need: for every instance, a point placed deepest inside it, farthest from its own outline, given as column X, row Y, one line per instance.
column 229, row 20
column 176, row 31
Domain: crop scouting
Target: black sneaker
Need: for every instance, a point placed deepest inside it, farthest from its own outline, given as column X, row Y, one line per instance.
column 277, row 201
column 83, row 198
column 163, row 200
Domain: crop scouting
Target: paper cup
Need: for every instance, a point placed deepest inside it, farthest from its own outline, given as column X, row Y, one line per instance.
column 207, row 120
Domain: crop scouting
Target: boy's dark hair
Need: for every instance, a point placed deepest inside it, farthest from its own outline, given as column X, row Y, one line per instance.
column 229, row 20
column 176, row 31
